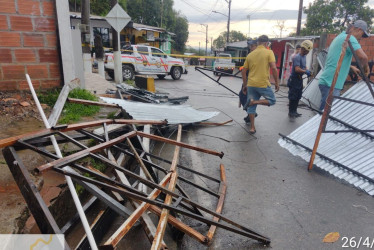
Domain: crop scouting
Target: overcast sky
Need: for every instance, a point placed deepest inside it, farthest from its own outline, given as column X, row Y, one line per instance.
column 265, row 17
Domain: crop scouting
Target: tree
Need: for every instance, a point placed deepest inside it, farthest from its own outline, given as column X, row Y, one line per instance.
column 181, row 31
column 281, row 26
column 235, row 36
column 332, row 16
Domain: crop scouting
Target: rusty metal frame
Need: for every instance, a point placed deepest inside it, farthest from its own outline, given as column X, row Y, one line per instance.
column 177, row 203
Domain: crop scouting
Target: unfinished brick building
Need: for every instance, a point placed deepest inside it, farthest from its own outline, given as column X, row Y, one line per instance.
column 28, row 44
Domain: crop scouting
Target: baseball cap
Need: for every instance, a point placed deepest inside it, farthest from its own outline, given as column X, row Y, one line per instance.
column 263, row 38
column 298, row 46
column 362, row 25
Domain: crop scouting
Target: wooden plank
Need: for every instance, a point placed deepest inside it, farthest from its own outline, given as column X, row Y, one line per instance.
column 180, row 144
column 11, row 140
column 215, row 123
column 156, row 245
column 126, row 226
column 221, row 200
column 60, row 103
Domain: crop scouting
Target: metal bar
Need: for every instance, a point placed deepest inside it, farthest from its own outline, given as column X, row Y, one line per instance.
column 69, row 225
column 100, row 228
column 177, row 202
column 221, row 200
column 156, row 245
column 101, row 195
column 346, row 124
column 355, row 101
column 327, row 109
column 86, row 102
column 348, row 131
column 84, row 152
column 234, row 227
column 366, row 79
column 30, row 193
column 329, row 159
column 181, row 144
column 127, row 225
column 217, row 81
column 198, row 186
column 151, row 155
column 139, row 160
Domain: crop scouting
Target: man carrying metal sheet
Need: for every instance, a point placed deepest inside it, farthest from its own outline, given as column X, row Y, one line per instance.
column 258, row 63
column 357, row 30
column 295, row 82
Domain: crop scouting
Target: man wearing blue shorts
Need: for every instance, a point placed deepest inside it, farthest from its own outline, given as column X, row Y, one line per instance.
column 357, row 30
column 259, row 62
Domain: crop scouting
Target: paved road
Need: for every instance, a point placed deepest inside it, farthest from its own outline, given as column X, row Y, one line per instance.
column 269, row 190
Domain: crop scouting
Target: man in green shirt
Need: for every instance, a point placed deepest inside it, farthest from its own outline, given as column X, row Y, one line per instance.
column 357, row 30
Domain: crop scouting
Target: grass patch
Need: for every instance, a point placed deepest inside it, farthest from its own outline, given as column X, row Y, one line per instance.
column 72, row 112
column 93, row 163
column 111, row 115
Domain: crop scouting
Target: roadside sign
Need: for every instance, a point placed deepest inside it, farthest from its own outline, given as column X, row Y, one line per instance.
column 118, row 18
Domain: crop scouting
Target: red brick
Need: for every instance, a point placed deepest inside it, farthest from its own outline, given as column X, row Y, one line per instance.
column 29, row 7
column 7, row 6
column 21, row 23
column 48, row 55
column 48, row 84
column 33, row 40
column 8, row 85
column 54, row 70
column 44, row 24
column 10, row 39
column 49, row 8
column 3, row 22
column 23, row 85
column 51, row 40
column 5, row 56
column 37, row 71
column 25, row 55
column 13, row 72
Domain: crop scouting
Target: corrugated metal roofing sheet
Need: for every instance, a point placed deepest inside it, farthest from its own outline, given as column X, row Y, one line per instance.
column 353, row 150
column 175, row 114
column 311, row 94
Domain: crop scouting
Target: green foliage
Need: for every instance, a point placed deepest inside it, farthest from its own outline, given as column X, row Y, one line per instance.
column 235, row 36
column 111, row 115
column 72, row 111
column 181, row 31
column 332, row 16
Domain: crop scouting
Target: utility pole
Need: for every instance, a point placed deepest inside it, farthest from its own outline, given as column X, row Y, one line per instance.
column 206, row 38
column 249, row 26
column 228, row 22
column 86, row 36
column 211, row 44
column 299, row 18
column 162, row 11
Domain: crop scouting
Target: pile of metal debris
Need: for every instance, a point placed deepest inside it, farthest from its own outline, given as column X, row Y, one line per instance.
column 143, row 95
column 132, row 185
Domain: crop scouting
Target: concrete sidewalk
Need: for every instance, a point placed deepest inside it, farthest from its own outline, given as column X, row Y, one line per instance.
column 98, row 84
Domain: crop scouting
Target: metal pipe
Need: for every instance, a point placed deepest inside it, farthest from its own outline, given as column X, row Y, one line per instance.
column 74, row 194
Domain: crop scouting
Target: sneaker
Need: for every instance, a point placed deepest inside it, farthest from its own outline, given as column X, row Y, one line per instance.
column 247, row 120
column 298, row 114
column 292, row 115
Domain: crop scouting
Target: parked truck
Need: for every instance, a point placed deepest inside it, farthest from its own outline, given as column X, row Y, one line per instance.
column 223, row 64
column 142, row 59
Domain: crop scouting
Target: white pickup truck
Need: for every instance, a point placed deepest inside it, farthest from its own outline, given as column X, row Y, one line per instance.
column 142, row 59
column 224, row 64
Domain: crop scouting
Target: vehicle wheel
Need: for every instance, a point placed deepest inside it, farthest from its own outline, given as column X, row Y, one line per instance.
column 176, row 73
column 111, row 74
column 161, row 77
column 127, row 72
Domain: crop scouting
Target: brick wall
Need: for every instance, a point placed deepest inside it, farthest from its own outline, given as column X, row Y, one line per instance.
column 28, row 44
column 367, row 45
